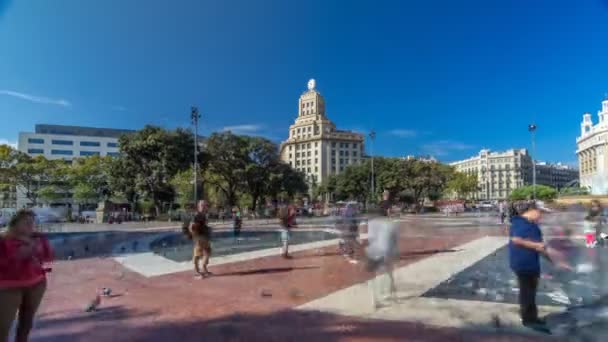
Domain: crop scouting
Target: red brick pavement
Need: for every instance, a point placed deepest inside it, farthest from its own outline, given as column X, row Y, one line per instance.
column 244, row 301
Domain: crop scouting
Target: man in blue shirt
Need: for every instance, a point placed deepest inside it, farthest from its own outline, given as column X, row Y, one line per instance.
column 525, row 247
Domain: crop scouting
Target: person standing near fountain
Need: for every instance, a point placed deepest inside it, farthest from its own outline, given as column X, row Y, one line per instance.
column 201, row 237
column 23, row 253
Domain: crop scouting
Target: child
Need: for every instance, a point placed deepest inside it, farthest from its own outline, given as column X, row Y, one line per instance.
column 589, row 231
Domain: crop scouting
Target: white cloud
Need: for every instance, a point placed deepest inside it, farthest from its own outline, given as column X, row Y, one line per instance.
column 36, row 99
column 12, row 144
column 403, row 133
column 243, row 129
column 444, row 147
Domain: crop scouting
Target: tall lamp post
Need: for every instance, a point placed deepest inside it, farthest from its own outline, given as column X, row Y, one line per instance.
column 195, row 116
column 532, row 130
column 372, row 137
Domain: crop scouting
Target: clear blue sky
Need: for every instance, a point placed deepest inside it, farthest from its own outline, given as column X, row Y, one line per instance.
column 442, row 77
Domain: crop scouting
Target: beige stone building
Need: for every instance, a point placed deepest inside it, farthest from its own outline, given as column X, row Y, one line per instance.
column 498, row 173
column 591, row 149
column 315, row 146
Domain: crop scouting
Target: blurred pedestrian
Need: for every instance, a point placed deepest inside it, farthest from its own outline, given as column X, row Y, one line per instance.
column 237, row 222
column 23, row 254
column 382, row 250
column 348, row 226
column 287, row 218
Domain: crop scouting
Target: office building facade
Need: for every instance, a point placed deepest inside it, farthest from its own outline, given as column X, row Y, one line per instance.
column 315, row 146
column 591, row 150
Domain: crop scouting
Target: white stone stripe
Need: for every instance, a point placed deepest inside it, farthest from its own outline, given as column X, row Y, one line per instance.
column 151, row 265
column 412, row 280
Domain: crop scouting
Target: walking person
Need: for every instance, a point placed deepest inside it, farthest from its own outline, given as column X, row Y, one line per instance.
column 382, row 250
column 23, row 253
column 525, row 248
column 287, row 218
column 237, row 222
column 201, row 238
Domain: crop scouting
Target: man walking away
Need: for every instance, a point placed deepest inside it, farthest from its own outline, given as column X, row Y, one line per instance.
column 201, row 238
column 525, row 248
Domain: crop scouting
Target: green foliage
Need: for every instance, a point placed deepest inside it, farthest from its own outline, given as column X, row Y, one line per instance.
column 463, row 184
column 543, row 192
column 152, row 157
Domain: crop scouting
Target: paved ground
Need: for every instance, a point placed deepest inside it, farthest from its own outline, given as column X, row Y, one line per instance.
column 258, row 299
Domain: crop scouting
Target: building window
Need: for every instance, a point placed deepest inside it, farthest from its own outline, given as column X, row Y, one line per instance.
column 111, row 144
column 354, row 145
column 35, row 141
column 333, row 152
column 316, row 169
column 290, row 156
column 308, row 154
column 354, row 153
column 316, row 144
column 290, row 163
column 316, row 161
column 297, row 163
column 62, row 152
column 346, row 153
column 333, row 144
column 297, row 147
column 113, row 154
column 309, row 160
column 91, row 143
column 308, row 145
column 316, row 152
column 341, row 161
column 35, row 151
column 341, row 153
column 298, row 130
column 309, row 129
column 333, row 161
column 89, row 153
column 62, row 142
column 308, row 169
column 297, row 154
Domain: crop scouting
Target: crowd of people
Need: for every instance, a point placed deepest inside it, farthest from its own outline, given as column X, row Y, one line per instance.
column 25, row 255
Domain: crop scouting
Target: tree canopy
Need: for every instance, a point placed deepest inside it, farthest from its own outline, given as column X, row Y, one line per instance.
column 543, row 192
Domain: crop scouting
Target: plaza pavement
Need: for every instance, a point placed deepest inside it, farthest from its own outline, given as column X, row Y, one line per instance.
column 317, row 295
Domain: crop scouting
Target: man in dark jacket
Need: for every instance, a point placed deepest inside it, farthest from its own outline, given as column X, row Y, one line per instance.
column 525, row 247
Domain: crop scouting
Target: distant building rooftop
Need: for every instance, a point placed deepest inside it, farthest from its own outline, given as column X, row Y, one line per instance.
column 82, row 131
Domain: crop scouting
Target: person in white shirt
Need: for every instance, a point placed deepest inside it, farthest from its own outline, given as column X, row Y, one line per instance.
column 382, row 251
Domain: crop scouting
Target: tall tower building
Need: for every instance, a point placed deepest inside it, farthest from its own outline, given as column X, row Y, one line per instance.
column 315, row 146
column 591, row 149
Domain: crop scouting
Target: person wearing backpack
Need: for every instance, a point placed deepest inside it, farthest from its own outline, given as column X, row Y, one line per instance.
column 200, row 233
column 23, row 254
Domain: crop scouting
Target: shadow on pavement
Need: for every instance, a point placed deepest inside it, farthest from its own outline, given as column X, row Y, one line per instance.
column 265, row 271
column 288, row 325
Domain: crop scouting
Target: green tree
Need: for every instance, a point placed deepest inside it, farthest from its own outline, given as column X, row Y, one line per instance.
column 354, row 182
column 90, row 179
column 262, row 162
column 463, row 184
column 183, row 183
column 153, row 156
column 543, row 192
column 228, row 159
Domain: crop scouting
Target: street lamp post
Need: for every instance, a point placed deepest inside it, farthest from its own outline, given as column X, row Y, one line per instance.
column 532, row 130
column 372, row 137
column 195, row 116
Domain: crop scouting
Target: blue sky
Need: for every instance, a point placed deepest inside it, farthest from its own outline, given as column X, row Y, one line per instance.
column 440, row 77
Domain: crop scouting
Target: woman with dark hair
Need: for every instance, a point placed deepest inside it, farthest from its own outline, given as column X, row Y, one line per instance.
column 23, row 253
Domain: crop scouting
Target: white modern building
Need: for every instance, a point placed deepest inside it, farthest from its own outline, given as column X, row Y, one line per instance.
column 69, row 142
column 315, row 146
column 498, row 173
column 57, row 142
column 591, row 149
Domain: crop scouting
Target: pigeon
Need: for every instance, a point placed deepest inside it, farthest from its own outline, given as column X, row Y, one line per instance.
column 94, row 304
column 106, row 291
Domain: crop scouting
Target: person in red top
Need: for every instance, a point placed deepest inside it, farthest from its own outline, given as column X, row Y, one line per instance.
column 23, row 253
